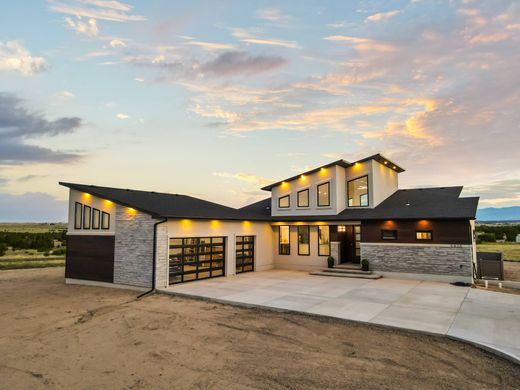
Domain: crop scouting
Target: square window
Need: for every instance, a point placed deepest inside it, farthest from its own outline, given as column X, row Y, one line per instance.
column 324, row 194
column 357, row 190
column 303, row 198
column 284, row 202
column 423, row 235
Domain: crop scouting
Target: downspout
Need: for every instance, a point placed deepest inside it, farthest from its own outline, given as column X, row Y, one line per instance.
column 154, row 252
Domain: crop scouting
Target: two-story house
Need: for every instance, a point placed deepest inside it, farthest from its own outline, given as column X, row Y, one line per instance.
column 347, row 210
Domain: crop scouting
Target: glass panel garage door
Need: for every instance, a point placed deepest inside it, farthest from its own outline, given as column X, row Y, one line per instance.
column 196, row 258
column 245, row 253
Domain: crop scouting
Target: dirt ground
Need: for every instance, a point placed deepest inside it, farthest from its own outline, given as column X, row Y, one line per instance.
column 77, row 337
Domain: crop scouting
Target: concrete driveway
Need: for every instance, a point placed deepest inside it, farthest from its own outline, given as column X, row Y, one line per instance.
column 484, row 317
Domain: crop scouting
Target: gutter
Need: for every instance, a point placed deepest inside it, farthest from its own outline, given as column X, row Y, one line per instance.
column 154, row 252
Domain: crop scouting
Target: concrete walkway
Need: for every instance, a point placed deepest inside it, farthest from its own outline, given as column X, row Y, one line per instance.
column 484, row 317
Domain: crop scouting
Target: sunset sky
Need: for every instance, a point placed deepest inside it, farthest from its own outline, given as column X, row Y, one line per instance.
column 215, row 99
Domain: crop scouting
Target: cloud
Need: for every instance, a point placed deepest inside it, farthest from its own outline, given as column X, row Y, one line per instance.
column 258, row 181
column 498, row 193
column 117, row 43
column 363, row 44
column 382, row 16
column 110, row 10
column 26, row 178
column 122, row 116
column 247, row 36
column 210, row 45
column 88, row 28
column 273, row 15
column 32, row 207
column 18, row 124
column 240, row 63
column 13, row 56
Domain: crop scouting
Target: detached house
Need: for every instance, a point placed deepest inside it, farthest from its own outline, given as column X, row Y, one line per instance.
column 350, row 210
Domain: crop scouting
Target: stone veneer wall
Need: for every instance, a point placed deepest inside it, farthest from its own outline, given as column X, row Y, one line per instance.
column 133, row 248
column 161, row 267
column 419, row 259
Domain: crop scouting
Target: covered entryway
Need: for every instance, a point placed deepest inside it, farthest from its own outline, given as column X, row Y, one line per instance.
column 196, row 258
column 350, row 237
column 245, row 254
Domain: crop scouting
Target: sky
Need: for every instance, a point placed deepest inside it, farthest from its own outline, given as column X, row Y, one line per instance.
column 216, row 99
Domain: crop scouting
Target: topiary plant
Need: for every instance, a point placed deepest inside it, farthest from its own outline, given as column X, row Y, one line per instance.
column 330, row 261
column 365, row 265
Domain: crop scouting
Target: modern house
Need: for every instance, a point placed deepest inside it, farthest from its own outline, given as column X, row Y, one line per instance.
column 350, row 210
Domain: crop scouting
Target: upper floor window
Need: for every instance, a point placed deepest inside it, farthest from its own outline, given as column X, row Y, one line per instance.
column 324, row 194
column 284, row 240
column 78, row 213
column 96, row 217
column 303, row 198
column 85, row 217
column 423, row 235
column 87, row 211
column 105, row 220
column 357, row 190
column 284, row 202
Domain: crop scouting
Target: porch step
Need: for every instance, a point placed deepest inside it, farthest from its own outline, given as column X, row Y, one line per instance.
column 326, row 272
column 348, row 266
column 347, row 271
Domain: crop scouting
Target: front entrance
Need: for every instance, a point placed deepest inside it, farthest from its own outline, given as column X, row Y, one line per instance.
column 349, row 236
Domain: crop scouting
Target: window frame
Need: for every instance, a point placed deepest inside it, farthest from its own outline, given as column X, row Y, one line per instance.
column 327, row 183
column 308, row 228
column 76, row 204
column 280, row 240
column 288, row 196
column 424, row 231
column 319, row 245
column 94, row 211
column 85, row 219
column 367, row 194
column 103, row 213
column 308, row 198
column 389, row 238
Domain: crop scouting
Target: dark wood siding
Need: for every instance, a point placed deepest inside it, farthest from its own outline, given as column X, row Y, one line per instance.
column 90, row 258
column 443, row 231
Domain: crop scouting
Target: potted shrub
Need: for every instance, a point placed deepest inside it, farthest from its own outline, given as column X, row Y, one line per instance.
column 365, row 265
column 330, row 261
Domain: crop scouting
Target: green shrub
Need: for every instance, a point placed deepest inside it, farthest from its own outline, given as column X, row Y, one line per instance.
column 487, row 237
column 330, row 261
column 3, row 248
column 365, row 265
column 59, row 251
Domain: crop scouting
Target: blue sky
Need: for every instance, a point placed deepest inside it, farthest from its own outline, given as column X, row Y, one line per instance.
column 216, row 99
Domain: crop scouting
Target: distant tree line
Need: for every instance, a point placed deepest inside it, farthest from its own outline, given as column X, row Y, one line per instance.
column 42, row 242
column 496, row 232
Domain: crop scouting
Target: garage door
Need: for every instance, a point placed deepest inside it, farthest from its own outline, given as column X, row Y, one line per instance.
column 196, row 258
column 245, row 254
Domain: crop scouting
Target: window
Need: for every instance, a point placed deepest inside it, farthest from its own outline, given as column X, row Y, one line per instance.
column 323, row 241
column 86, row 217
column 196, row 258
column 324, row 194
column 78, row 212
column 389, row 234
column 342, row 228
column 303, row 198
column 284, row 240
column 284, row 202
column 357, row 190
column 245, row 253
column 303, row 240
column 105, row 221
column 423, row 235
column 95, row 218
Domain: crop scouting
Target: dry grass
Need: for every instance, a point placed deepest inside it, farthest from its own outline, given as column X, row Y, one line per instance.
column 510, row 250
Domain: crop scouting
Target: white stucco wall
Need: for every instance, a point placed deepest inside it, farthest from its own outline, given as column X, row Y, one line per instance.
column 384, row 182
column 94, row 202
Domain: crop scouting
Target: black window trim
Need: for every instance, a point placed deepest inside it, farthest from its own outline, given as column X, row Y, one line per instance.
column 102, row 227
column 76, row 215
column 288, row 196
column 280, row 240
column 318, row 194
column 389, row 238
column 424, row 231
column 99, row 219
column 318, row 238
column 368, row 192
column 246, row 260
column 308, row 198
column 84, row 219
column 309, row 242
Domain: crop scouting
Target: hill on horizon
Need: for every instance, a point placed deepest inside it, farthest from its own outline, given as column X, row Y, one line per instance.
column 511, row 213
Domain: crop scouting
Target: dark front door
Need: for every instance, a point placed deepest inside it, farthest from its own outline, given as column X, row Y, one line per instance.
column 347, row 238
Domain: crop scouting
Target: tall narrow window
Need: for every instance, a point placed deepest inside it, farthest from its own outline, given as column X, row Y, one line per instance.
column 303, row 198
column 96, row 218
column 284, row 240
column 105, row 221
column 323, row 241
column 358, row 192
column 303, row 240
column 423, row 235
column 86, row 217
column 324, row 194
column 78, row 213
column 284, row 202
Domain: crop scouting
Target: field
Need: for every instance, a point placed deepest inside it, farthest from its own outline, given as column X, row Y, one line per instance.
column 32, row 227
column 511, row 250
column 64, row 336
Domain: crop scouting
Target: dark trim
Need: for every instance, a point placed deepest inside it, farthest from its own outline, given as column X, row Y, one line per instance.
column 424, row 231
column 308, row 198
column 98, row 212
column 368, row 192
column 279, row 240
column 388, row 238
column 85, row 207
column 303, row 227
column 245, row 260
column 154, row 254
column 108, row 216
column 318, row 237
column 76, row 204
column 318, row 194
column 283, row 197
